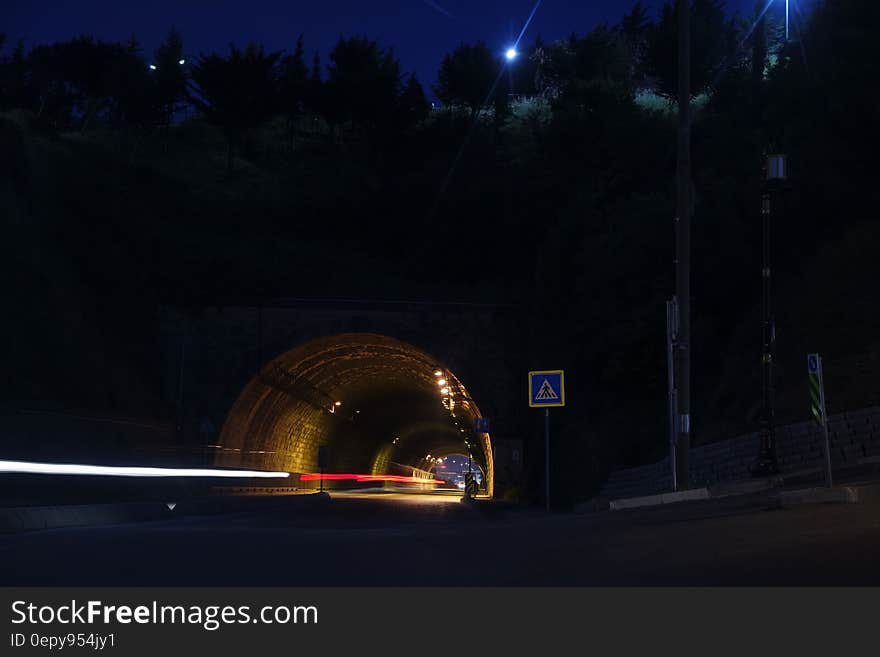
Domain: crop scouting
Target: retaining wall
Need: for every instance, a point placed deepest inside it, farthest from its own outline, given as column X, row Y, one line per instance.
column 853, row 436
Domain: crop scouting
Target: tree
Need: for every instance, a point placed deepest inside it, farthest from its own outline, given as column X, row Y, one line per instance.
column 713, row 47
column 236, row 93
column 634, row 29
column 170, row 75
column 293, row 87
column 414, row 106
column 134, row 99
column 52, row 100
column 466, row 76
column 89, row 67
column 14, row 91
column 80, row 82
column 363, row 84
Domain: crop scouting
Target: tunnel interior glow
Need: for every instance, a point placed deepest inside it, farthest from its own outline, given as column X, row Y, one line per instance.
column 376, row 404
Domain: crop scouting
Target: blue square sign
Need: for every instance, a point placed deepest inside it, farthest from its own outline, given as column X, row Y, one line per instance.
column 546, row 388
column 481, row 425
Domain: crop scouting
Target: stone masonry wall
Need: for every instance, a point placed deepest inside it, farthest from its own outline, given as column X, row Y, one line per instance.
column 854, row 436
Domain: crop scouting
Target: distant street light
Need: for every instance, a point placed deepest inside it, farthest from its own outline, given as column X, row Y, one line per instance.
column 153, row 67
column 511, row 54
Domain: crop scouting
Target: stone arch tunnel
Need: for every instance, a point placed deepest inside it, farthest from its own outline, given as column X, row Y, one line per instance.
column 377, row 404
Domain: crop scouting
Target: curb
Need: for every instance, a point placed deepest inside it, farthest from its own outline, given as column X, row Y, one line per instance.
column 662, row 498
column 837, row 495
column 729, row 489
column 847, row 494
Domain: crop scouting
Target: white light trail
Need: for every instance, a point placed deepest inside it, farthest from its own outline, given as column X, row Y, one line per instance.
column 26, row 467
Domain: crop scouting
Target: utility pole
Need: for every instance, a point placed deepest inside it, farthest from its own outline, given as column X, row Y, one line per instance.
column 671, row 338
column 786, row 21
column 774, row 177
column 683, row 246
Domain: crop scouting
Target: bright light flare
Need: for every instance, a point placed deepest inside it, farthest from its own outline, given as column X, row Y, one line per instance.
column 511, row 54
column 181, row 62
column 152, row 67
column 25, row 467
column 441, row 382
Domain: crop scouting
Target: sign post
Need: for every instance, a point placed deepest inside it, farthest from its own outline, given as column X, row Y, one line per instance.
column 546, row 389
column 817, row 406
column 671, row 337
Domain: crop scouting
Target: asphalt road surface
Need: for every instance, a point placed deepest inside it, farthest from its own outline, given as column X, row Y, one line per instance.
column 402, row 539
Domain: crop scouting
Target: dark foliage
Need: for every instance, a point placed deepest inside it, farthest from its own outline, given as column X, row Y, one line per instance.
column 466, row 76
column 236, row 93
column 713, row 47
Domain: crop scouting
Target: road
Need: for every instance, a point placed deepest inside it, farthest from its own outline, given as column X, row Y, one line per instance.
column 403, row 539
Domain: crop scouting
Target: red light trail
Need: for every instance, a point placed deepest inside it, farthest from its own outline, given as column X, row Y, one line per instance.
column 400, row 479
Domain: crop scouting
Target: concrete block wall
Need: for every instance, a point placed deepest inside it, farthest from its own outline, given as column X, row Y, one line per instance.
column 853, row 436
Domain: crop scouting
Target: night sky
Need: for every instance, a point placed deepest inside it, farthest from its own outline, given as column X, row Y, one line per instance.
column 420, row 31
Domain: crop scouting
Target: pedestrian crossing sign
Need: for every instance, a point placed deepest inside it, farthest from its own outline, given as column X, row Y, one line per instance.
column 546, row 388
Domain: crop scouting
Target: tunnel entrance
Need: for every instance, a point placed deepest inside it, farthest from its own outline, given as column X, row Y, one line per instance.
column 375, row 404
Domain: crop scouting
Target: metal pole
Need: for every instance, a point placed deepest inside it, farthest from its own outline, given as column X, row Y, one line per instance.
column 547, row 458
column 828, row 479
column 180, row 380
column 470, row 476
column 767, row 456
column 683, row 243
column 670, row 376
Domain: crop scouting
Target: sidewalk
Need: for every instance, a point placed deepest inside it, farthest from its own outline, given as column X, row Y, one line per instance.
column 853, row 484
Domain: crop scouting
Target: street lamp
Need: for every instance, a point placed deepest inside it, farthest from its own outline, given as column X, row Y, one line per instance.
column 511, row 54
